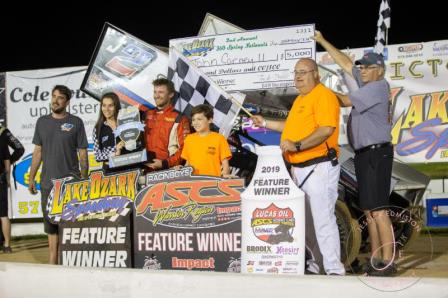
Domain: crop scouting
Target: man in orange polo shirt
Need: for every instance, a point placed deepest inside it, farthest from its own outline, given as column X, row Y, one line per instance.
column 309, row 142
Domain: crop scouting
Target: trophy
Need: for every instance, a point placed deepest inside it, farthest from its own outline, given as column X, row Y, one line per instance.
column 128, row 130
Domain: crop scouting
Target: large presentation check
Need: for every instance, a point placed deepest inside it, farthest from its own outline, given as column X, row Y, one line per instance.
column 250, row 60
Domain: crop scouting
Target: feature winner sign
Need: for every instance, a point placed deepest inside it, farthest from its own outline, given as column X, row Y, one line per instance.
column 94, row 219
column 250, row 60
column 188, row 222
column 273, row 218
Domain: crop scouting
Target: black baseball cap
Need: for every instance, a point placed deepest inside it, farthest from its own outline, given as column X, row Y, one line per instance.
column 371, row 58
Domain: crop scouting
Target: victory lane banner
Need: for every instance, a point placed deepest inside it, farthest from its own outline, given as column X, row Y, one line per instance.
column 94, row 217
column 188, row 222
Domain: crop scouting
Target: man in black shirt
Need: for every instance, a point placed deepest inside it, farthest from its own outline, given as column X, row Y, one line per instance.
column 7, row 139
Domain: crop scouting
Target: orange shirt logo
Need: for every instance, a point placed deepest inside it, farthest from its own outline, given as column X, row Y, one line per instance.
column 211, row 150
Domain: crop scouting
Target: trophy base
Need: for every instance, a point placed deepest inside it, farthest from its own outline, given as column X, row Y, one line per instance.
column 127, row 159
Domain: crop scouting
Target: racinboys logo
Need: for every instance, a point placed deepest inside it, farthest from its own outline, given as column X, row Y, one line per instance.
column 194, row 202
column 98, row 197
column 273, row 224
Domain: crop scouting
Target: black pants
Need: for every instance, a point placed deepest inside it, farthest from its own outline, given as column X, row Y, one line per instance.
column 3, row 205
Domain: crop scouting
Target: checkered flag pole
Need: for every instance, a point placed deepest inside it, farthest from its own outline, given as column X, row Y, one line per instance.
column 193, row 87
column 383, row 25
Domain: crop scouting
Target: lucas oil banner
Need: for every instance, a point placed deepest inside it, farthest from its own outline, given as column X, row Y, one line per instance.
column 188, row 222
column 273, row 222
column 94, row 219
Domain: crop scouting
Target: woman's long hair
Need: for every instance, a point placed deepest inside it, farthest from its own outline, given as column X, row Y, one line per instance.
column 101, row 118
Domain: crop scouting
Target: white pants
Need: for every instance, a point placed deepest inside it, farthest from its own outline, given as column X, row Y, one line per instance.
column 321, row 193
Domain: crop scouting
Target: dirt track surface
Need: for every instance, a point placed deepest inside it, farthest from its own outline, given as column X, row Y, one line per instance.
column 427, row 256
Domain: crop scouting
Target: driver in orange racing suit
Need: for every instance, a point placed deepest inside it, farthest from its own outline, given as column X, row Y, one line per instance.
column 165, row 129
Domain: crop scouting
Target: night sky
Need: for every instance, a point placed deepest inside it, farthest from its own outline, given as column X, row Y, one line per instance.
column 62, row 35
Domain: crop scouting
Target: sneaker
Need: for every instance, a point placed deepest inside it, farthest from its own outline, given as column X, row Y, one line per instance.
column 370, row 265
column 384, row 269
column 7, row 249
column 309, row 272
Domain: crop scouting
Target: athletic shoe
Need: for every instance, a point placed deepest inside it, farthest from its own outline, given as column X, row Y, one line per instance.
column 309, row 272
column 7, row 249
column 370, row 265
column 384, row 269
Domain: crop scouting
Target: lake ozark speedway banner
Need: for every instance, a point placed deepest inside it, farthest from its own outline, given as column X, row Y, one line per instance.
column 28, row 96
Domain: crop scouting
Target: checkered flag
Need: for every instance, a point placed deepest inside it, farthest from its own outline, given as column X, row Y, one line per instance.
column 123, row 212
column 194, row 87
column 55, row 219
column 383, row 26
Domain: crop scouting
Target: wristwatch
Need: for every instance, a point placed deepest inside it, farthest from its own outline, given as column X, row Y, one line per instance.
column 298, row 145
